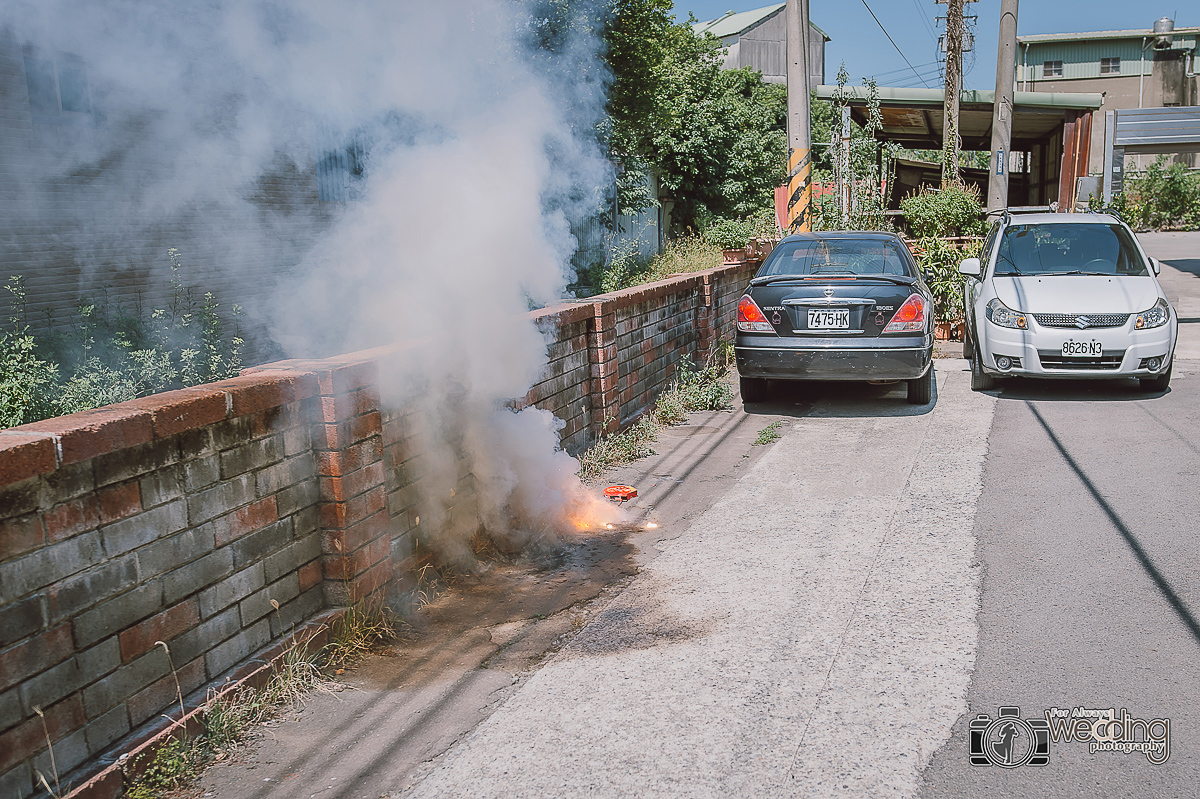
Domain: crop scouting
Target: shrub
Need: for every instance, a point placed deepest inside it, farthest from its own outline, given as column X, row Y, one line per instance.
column 110, row 356
column 952, row 210
column 1162, row 196
column 939, row 259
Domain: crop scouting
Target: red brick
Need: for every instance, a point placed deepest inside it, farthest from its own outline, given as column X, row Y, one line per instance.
column 161, row 696
column 335, row 515
column 29, row 738
column 184, row 409
column 99, row 431
column 140, row 638
column 24, row 455
column 361, row 427
column 120, row 502
column 71, row 518
column 343, row 567
column 350, row 459
column 245, row 520
column 339, row 489
column 356, row 535
column 35, row 655
column 310, row 575
column 372, row 580
column 348, row 376
column 20, row 535
column 266, row 388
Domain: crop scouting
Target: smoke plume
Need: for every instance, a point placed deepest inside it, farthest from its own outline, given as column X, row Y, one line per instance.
column 456, row 138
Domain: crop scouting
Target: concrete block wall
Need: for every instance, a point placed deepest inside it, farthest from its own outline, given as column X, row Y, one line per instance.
column 180, row 517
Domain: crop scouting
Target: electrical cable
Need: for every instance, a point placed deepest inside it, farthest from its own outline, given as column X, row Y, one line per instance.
column 893, row 41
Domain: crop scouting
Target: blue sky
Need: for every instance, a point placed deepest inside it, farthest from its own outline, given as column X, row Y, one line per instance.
column 857, row 39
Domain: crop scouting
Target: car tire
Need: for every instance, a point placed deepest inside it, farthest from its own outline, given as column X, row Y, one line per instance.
column 1158, row 384
column 920, row 391
column 754, row 389
column 980, row 380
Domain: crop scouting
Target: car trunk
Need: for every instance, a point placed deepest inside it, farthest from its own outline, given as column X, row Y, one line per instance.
column 858, row 307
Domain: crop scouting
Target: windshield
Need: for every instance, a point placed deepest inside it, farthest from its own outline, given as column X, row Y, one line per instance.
column 1068, row 249
column 850, row 257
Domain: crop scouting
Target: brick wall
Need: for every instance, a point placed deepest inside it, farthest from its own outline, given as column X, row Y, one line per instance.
column 180, row 517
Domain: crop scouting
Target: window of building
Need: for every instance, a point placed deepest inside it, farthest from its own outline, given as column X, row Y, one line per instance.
column 1052, row 69
column 1110, row 66
column 58, row 86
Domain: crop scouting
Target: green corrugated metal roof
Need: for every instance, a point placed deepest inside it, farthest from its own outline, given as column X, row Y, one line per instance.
column 1085, row 36
column 935, row 97
column 731, row 24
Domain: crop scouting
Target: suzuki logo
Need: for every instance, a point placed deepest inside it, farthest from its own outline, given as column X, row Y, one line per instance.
column 829, row 291
column 1082, row 322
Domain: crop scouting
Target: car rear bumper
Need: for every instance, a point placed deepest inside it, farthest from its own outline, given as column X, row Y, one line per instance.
column 778, row 358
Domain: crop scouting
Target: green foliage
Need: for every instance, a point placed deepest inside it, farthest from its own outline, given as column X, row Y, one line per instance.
column 688, row 253
column 733, row 234
column 862, row 169
column 175, row 765
column 952, row 210
column 939, row 259
column 715, row 138
column 1162, row 196
column 768, row 435
column 26, row 380
column 110, row 355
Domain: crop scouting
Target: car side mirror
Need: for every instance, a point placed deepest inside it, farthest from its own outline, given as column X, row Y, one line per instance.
column 970, row 266
column 1155, row 266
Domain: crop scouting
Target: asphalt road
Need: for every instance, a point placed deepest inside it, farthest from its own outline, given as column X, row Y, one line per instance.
column 1091, row 594
column 825, row 615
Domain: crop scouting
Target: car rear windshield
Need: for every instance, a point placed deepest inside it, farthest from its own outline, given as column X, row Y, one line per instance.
column 833, row 257
column 1076, row 248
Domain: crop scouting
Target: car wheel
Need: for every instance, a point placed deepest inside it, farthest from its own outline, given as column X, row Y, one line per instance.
column 1160, row 383
column 754, row 389
column 980, row 380
column 968, row 347
column 920, row 391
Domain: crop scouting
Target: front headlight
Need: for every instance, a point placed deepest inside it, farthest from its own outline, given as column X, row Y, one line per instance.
column 1157, row 316
column 1000, row 314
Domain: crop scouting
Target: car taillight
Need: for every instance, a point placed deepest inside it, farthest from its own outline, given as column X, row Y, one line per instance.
column 910, row 317
column 751, row 318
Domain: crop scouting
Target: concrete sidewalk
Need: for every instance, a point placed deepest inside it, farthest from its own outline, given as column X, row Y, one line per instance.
column 811, row 634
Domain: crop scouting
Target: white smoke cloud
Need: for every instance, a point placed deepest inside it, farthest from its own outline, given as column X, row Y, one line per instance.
column 478, row 144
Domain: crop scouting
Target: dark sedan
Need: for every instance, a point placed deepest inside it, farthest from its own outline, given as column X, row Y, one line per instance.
column 837, row 306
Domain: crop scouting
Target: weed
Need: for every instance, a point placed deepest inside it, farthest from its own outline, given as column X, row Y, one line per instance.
column 176, row 764
column 768, row 435
column 692, row 390
column 57, row 792
column 364, row 624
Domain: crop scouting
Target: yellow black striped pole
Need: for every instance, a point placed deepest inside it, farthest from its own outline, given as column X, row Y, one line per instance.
column 799, row 216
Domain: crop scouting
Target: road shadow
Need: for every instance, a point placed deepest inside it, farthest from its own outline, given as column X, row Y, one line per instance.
column 1191, row 265
column 838, row 399
column 1078, row 390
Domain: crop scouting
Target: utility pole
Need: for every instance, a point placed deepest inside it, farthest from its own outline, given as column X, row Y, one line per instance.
column 950, row 129
column 1002, row 111
column 799, row 216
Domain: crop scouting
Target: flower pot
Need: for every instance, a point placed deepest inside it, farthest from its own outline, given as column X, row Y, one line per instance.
column 739, row 255
column 944, row 331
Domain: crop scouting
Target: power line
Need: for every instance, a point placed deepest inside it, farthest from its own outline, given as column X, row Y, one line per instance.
column 890, row 39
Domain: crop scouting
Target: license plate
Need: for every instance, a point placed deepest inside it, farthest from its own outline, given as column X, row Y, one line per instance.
column 828, row 318
column 1088, row 349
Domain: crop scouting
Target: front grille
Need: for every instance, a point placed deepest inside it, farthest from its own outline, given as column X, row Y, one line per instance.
column 1070, row 319
column 1054, row 359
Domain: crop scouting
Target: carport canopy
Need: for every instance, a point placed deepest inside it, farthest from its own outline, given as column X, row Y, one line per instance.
column 913, row 117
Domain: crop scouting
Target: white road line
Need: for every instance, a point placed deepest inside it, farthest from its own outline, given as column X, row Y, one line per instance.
column 833, row 589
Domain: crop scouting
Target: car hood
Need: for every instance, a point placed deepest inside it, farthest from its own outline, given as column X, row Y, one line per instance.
column 1077, row 293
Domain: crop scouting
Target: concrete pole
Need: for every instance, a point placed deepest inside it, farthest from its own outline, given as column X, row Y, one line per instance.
column 799, row 216
column 950, row 129
column 1002, row 111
